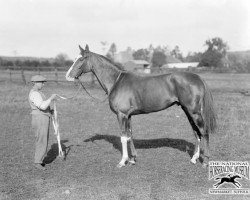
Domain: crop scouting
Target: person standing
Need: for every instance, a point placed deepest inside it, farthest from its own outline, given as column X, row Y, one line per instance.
column 41, row 114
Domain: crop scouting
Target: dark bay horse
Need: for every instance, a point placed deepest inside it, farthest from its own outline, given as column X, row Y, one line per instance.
column 132, row 94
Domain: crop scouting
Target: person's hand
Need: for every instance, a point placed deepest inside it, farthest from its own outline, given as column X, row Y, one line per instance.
column 52, row 111
column 53, row 97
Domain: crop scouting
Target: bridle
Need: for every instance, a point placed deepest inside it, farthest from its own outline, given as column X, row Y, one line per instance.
column 97, row 99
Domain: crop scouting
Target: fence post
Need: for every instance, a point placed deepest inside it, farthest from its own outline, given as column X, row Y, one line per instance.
column 56, row 74
column 23, row 77
column 10, row 73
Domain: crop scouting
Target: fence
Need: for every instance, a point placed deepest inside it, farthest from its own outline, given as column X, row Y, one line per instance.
column 24, row 74
column 57, row 74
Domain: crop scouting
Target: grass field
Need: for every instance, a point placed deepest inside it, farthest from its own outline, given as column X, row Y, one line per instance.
column 90, row 137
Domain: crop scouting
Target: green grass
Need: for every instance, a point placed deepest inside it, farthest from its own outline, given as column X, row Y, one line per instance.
column 163, row 141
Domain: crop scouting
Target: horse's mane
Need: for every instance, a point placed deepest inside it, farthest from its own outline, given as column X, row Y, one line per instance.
column 111, row 62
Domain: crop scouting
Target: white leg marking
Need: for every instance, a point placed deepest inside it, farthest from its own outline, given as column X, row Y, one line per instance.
column 132, row 162
column 197, row 153
column 124, row 141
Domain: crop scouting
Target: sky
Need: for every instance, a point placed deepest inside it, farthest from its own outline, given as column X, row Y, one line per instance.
column 45, row 28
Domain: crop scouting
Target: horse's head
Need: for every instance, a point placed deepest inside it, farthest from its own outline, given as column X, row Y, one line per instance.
column 233, row 176
column 80, row 65
column 237, row 176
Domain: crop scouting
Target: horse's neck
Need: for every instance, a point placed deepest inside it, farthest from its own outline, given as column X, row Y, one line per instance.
column 107, row 75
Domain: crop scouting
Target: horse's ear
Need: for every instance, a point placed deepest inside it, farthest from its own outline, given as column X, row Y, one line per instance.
column 81, row 49
column 87, row 48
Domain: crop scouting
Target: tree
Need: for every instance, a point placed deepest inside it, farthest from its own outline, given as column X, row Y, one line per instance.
column 104, row 46
column 240, row 61
column 27, row 63
column 151, row 48
column 193, row 57
column 45, row 63
column 177, row 53
column 216, row 50
column 158, row 59
column 61, row 59
column 112, row 51
column 141, row 54
column 35, row 63
column 217, row 44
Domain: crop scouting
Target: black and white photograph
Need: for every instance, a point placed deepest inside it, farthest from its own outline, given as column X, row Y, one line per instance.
column 124, row 100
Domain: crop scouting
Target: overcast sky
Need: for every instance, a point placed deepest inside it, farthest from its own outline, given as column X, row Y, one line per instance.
column 46, row 28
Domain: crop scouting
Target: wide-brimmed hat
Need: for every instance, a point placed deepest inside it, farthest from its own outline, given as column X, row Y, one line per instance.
column 38, row 78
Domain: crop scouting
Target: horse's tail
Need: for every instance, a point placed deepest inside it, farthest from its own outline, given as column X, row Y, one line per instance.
column 208, row 111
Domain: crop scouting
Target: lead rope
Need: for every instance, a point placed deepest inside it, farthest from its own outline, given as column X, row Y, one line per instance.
column 55, row 122
column 57, row 133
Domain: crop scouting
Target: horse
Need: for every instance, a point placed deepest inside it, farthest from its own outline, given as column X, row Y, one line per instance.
column 229, row 179
column 133, row 94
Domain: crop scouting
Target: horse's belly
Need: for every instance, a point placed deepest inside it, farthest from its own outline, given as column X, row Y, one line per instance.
column 156, row 104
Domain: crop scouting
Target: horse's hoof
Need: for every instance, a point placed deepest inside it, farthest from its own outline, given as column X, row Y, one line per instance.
column 61, row 155
column 193, row 161
column 131, row 162
column 120, row 165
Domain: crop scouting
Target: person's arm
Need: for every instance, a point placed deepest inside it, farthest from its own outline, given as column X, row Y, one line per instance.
column 37, row 100
column 45, row 104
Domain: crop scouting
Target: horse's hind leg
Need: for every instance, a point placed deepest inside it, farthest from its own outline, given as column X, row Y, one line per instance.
column 206, row 152
column 197, row 150
column 194, row 121
column 132, row 146
column 203, row 137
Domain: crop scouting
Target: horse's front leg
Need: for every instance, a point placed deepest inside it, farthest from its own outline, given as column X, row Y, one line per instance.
column 123, row 121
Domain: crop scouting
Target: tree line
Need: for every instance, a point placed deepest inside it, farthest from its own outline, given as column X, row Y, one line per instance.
column 212, row 57
column 60, row 61
column 216, row 55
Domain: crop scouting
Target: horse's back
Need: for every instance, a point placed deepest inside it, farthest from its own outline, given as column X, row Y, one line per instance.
column 145, row 93
column 188, row 78
column 187, row 82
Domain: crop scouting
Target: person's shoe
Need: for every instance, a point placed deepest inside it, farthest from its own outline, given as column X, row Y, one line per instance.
column 39, row 166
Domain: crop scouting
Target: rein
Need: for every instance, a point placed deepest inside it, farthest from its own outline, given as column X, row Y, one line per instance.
column 97, row 99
